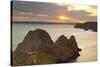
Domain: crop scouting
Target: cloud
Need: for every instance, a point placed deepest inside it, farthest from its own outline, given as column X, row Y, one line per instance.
column 20, row 18
column 39, row 7
column 28, row 14
column 82, row 15
column 40, row 11
column 76, row 7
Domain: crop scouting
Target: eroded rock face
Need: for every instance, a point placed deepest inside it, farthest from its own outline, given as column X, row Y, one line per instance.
column 33, row 58
column 73, row 44
column 64, row 50
column 38, row 48
column 67, row 48
column 38, row 40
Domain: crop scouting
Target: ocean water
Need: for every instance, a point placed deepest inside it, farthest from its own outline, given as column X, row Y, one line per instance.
column 87, row 40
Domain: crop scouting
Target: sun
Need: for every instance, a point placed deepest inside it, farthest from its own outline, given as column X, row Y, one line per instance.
column 62, row 18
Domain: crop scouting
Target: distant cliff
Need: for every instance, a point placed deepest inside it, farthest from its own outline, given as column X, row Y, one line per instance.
column 87, row 26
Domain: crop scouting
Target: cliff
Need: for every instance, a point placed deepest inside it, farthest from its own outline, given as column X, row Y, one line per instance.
column 87, row 26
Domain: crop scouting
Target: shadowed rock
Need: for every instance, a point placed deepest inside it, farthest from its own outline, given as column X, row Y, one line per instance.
column 74, row 46
column 38, row 40
column 67, row 48
column 64, row 50
column 33, row 58
column 38, row 48
column 87, row 26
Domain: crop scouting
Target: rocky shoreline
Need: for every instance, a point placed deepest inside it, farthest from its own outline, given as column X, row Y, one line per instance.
column 87, row 26
column 38, row 48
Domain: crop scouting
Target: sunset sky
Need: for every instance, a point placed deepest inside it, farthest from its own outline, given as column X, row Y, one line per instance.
column 53, row 12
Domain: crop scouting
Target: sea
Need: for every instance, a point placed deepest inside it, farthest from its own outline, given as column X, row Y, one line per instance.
column 87, row 40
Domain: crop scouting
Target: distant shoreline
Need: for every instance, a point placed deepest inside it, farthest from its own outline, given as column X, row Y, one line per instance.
column 28, row 22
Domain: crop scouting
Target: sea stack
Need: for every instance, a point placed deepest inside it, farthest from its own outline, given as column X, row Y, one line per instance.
column 36, row 43
column 67, row 49
column 38, row 48
column 74, row 46
column 64, row 50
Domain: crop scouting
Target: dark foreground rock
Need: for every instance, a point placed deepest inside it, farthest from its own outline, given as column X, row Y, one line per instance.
column 67, row 49
column 38, row 48
column 73, row 44
column 64, row 50
column 37, row 42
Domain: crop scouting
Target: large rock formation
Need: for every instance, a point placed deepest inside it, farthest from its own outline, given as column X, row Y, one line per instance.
column 67, row 48
column 38, row 40
column 35, row 42
column 38, row 48
column 64, row 50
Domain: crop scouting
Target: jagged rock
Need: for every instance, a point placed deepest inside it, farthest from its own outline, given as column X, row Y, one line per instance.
column 38, row 48
column 64, row 50
column 73, row 44
column 38, row 40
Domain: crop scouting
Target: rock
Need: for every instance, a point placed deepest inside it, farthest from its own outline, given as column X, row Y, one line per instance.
column 67, row 49
column 38, row 40
column 87, row 26
column 64, row 50
column 38, row 48
column 33, row 58
column 73, row 44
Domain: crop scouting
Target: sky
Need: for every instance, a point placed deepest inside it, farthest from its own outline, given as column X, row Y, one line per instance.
column 58, row 12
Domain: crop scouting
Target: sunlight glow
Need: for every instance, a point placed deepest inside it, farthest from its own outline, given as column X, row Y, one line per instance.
column 65, row 18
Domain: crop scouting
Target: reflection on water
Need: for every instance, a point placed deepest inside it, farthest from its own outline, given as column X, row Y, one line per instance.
column 85, row 39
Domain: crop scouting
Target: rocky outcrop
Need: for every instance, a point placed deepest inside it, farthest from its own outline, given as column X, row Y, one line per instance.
column 38, row 40
column 67, row 48
column 64, row 50
column 74, row 46
column 87, row 26
column 38, row 48
column 32, row 58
